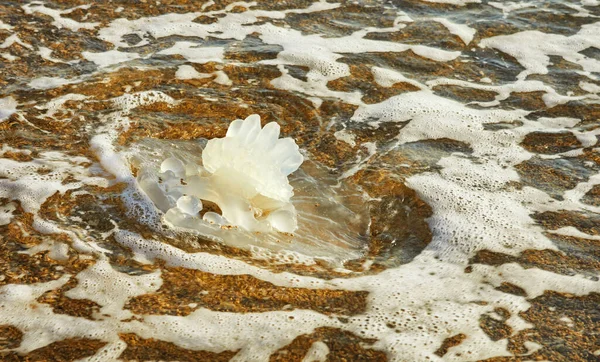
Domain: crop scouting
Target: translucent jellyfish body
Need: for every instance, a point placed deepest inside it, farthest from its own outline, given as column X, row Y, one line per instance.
column 244, row 174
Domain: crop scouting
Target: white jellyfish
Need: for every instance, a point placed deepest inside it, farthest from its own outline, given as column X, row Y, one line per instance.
column 245, row 174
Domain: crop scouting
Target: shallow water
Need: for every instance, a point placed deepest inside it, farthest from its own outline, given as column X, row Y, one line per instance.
column 448, row 205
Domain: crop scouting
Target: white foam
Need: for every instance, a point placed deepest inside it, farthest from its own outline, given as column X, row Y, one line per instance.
column 452, row 120
column 314, row 51
column 431, row 312
column 108, row 58
column 574, row 232
column 533, row 48
column 17, row 301
column 537, row 281
column 464, row 32
column 148, row 250
column 195, row 53
column 111, row 289
column 317, row 352
column 14, row 39
column 59, row 21
column 21, row 181
column 508, row 7
column 48, row 82
column 164, row 25
column 129, row 101
column 110, row 352
column 9, row 57
column 258, row 335
column 387, row 77
column 454, row 2
column 46, row 53
column 56, row 104
column 222, row 78
column 551, row 98
column 4, row 26
column 6, row 213
column 589, row 87
column 188, row 72
column 8, row 106
column 346, row 136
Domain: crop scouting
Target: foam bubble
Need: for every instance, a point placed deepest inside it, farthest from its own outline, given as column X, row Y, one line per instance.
column 188, row 72
column 464, row 32
column 195, row 53
column 110, row 57
column 8, row 106
column 48, row 82
column 533, row 48
column 112, row 289
column 59, row 21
